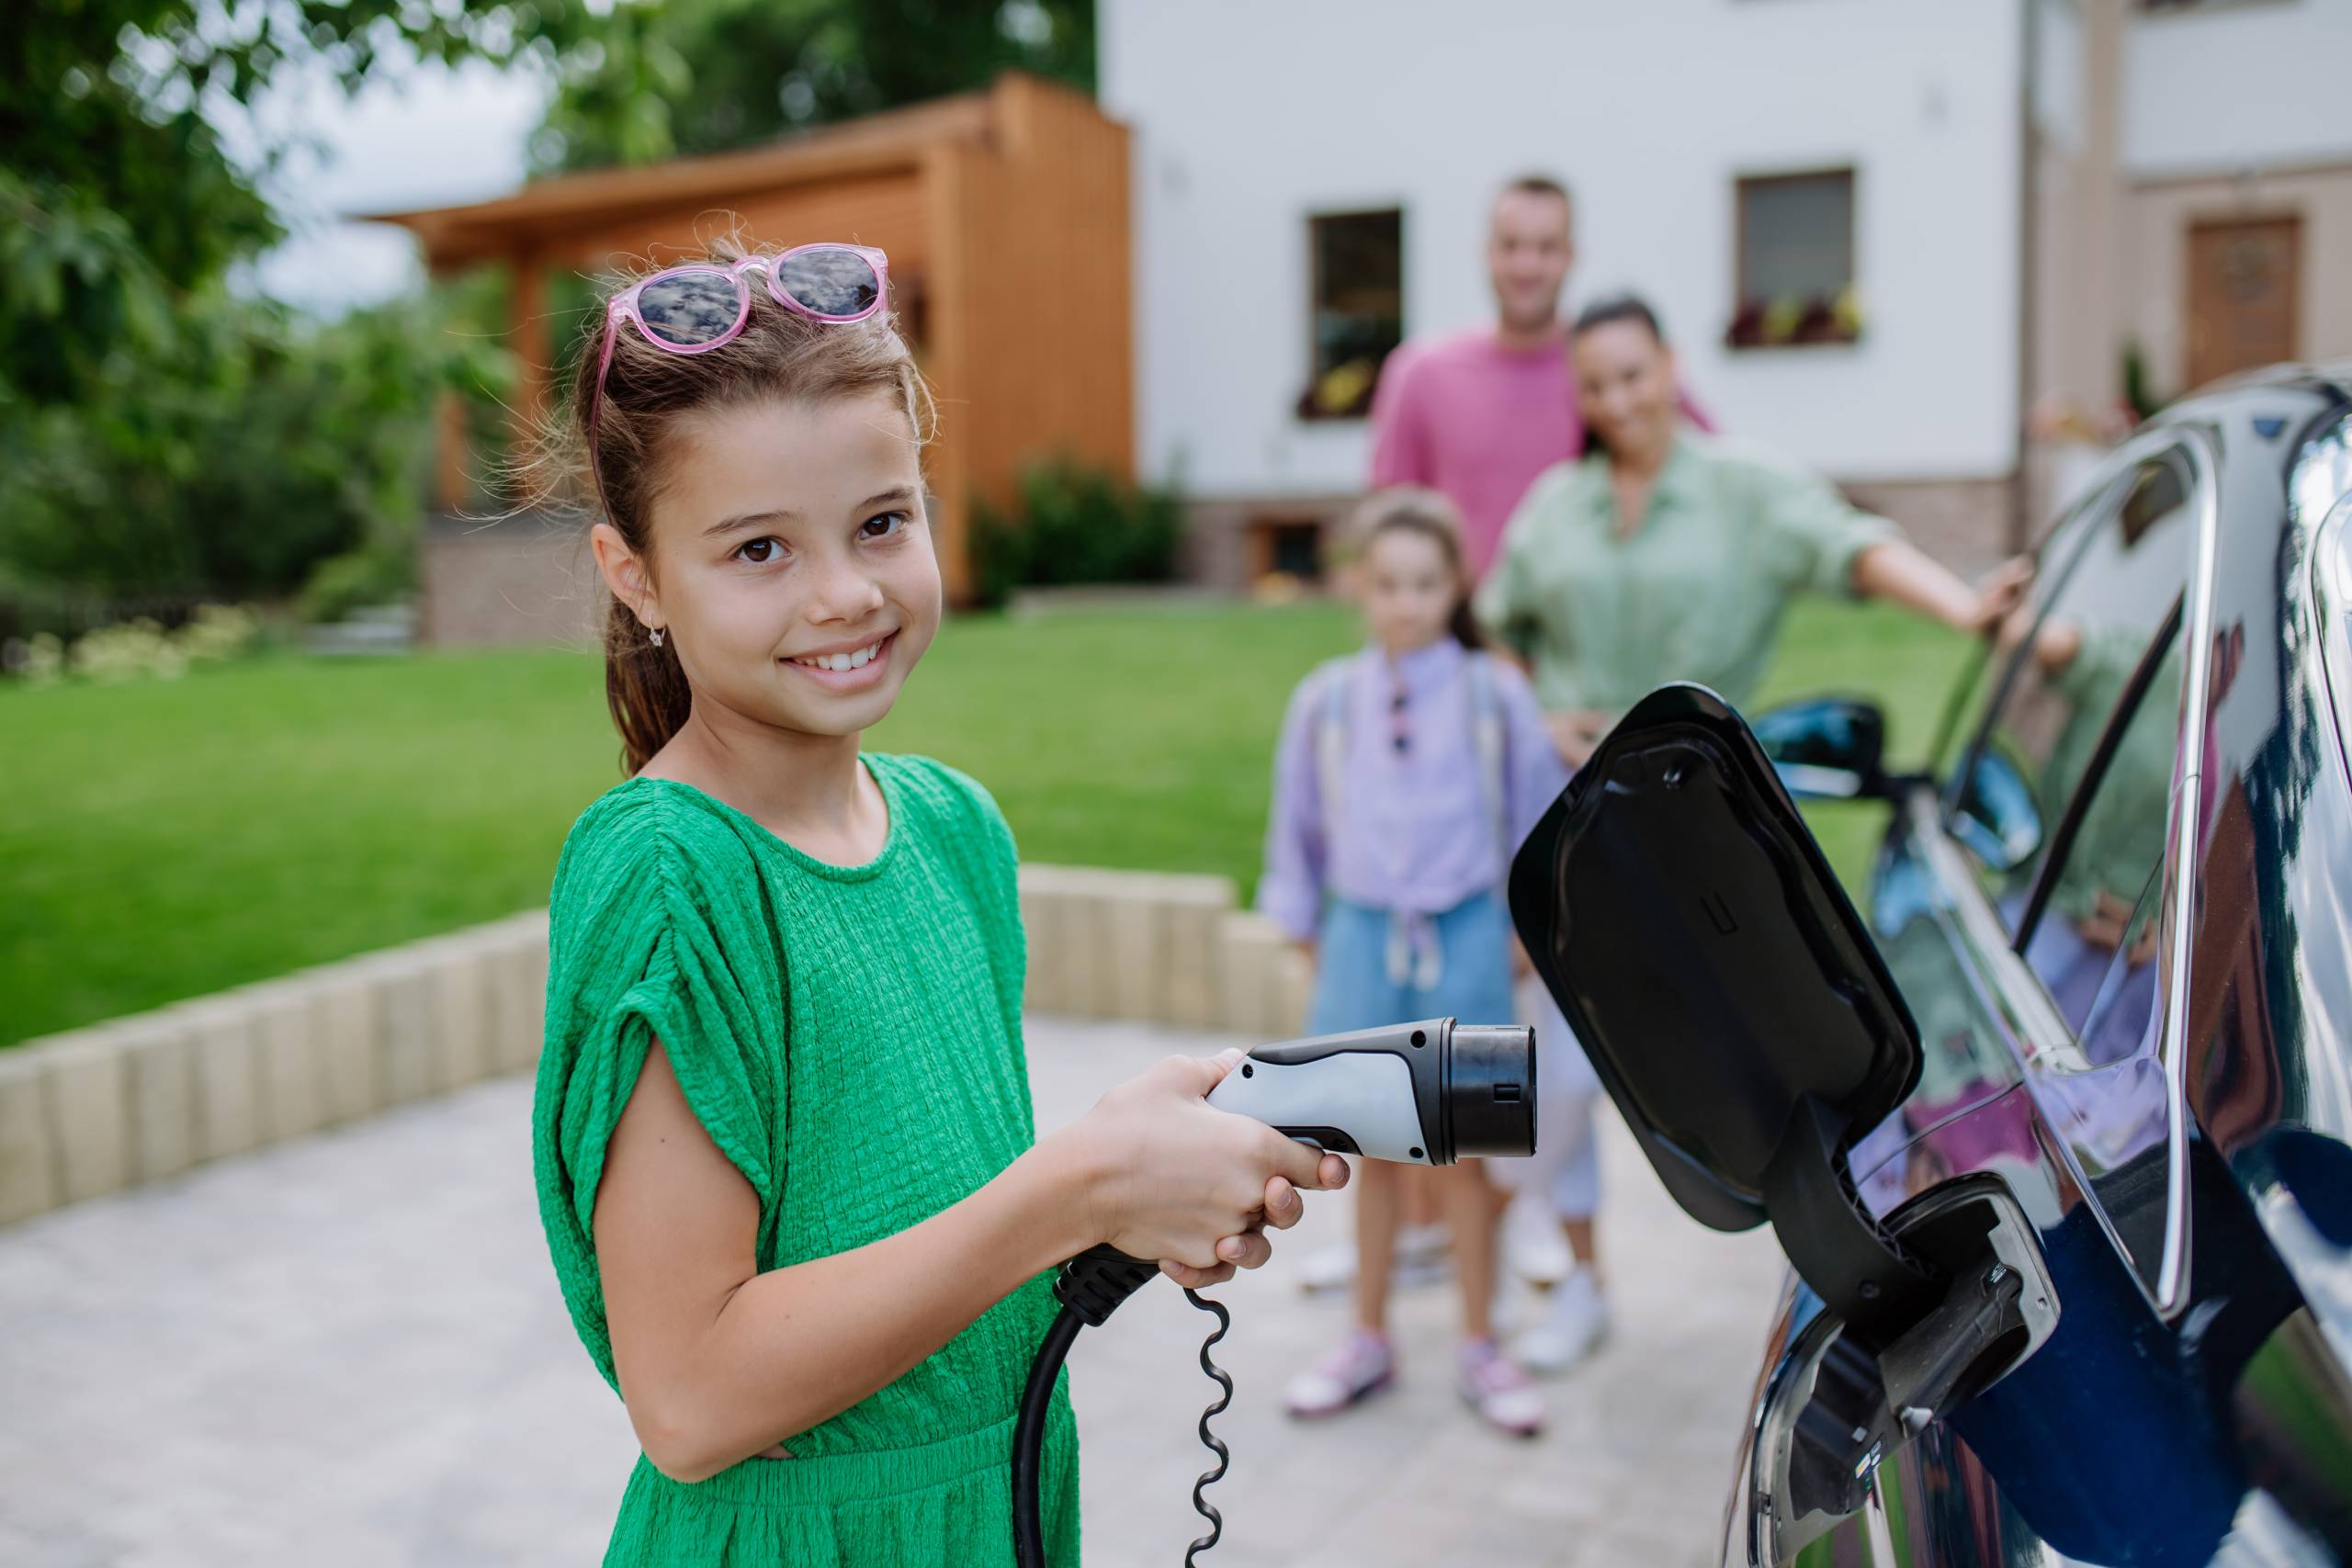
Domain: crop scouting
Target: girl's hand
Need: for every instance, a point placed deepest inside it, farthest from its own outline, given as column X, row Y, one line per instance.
column 1166, row 1176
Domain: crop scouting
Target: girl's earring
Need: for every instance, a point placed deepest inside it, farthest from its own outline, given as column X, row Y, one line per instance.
column 657, row 636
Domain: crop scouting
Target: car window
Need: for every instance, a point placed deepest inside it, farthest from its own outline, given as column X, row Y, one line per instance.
column 1967, row 710
column 2069, row 664
column 2113, row 1112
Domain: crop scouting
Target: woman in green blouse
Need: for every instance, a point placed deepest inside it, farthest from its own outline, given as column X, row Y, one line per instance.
column 1667, row 554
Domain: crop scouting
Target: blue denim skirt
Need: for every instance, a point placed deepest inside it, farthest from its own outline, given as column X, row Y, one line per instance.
column 1379, row 967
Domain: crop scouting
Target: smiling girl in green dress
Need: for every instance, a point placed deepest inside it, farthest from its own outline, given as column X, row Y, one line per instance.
column 782, row 1134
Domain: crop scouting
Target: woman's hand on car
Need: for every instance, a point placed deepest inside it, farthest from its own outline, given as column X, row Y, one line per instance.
column 1999, row 595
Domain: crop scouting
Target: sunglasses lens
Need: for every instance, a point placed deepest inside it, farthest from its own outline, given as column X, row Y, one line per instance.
column 686, row 309
column 831, row 280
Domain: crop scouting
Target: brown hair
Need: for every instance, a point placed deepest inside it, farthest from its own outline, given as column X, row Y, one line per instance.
column 1540, row 185
column 1604, row 312
column 780, row 355
column 1411, row 509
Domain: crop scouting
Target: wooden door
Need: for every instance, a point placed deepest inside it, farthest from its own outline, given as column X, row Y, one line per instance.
column 2245, row 277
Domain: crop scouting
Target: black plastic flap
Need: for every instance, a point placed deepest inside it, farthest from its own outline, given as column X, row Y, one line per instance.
column 1703, row 952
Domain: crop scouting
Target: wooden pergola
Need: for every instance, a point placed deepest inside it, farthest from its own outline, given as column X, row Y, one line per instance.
column 1004, row 212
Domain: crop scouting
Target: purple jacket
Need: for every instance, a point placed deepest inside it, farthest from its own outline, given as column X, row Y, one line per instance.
column 1415, row 830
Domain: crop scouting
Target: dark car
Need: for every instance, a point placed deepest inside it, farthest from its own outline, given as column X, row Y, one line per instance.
column 2059, row 1138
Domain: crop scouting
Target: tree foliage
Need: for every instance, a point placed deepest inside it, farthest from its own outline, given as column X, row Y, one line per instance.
column 154, row 431
column 159, row 434
column 255, row 445
column 704, row 75
column 119, row 202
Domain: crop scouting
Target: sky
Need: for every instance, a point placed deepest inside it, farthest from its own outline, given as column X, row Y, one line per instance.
column 427, row 136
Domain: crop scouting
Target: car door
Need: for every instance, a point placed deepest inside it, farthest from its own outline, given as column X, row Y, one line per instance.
column 2018, row 909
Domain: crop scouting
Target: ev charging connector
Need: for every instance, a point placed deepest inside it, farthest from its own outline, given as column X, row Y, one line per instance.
column 1426, row 1093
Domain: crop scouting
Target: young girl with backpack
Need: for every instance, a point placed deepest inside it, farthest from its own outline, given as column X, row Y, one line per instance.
column 782, row 1133
column 1408, row 774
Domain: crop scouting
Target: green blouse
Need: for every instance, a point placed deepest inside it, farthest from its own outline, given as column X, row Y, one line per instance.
column 1696, row 592
column 849, row 1036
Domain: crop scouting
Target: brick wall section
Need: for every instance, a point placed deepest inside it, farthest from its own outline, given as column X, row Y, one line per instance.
column 143, row 1098
column 1963, row 523
column 525, row 579
column 1218, row 547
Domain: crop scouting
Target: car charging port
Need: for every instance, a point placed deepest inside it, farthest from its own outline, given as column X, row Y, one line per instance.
column 1846, row 1400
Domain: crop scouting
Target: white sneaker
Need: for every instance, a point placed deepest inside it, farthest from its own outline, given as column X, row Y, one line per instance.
column 1361, row 1366
column 1532, row 1240
column 1420, row 1260
column 1574, row 1323
column 1496, row 1387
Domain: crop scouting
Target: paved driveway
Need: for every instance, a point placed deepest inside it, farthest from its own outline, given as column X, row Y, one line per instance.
column 349, row 1351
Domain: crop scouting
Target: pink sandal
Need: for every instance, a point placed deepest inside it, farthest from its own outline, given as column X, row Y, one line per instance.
column 1361, row 1366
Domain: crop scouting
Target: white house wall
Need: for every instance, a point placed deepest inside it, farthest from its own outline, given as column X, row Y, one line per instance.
column 1249, row 115
column 2237, row 87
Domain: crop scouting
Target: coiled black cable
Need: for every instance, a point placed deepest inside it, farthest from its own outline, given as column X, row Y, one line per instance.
column 1091, row 1288
column 1210, row 1440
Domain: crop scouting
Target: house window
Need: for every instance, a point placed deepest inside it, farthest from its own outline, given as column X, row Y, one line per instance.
column 1357, row 262
column 1795, row 261
column 1292, row 546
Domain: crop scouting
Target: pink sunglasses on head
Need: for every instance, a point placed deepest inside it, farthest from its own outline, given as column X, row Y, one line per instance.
column 697, row 308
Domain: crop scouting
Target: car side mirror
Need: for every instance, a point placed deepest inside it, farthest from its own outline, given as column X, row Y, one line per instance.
column 1996, row 816
column 1827, row 747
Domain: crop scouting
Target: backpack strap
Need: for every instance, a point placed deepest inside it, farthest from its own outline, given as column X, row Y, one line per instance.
column 1332, row 738
column 1490, row 735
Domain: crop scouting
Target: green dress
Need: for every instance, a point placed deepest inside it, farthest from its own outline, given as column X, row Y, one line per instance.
column 849, row 1036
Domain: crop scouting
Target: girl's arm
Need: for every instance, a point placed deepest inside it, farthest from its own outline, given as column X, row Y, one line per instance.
column 719, row 1361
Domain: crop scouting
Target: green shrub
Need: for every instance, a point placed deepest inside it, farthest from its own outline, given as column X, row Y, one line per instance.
column 252, row 448
column 142, row 647
column 1073, row 523
column 377, row 572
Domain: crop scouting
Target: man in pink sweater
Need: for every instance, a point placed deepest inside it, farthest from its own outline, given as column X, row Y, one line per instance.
column 1476, row 415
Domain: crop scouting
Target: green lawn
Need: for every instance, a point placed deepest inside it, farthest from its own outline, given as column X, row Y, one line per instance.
column 160, row 840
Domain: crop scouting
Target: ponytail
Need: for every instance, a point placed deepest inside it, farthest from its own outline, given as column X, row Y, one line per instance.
column 645, row 687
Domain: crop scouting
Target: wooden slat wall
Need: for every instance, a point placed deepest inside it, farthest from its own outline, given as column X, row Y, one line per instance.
column 1050, row 337
column 885, row 211
column 1021, row 240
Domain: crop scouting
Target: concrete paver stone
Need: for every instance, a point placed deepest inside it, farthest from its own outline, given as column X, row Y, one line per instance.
column 27, row 1160
column 350, row 1348
column 86, row 1098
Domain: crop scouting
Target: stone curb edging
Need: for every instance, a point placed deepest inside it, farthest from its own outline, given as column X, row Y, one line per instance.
column 144, row 1098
